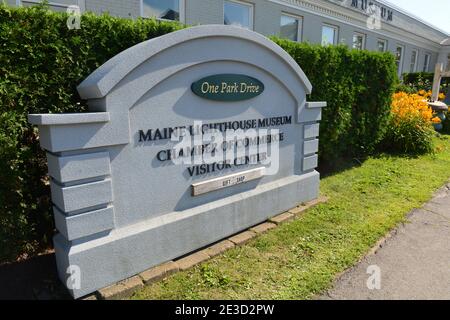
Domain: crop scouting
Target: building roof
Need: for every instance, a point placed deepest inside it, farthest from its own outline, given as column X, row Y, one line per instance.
column 446, row 42
column 413, row 16
column 403, row 21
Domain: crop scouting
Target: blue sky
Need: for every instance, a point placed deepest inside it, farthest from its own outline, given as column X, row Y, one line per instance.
column 436, row 12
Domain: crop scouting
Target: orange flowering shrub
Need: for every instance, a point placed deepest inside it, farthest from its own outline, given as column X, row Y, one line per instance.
column 410, row 130
column 427, row 95
column 436, row 120
column 406, row 106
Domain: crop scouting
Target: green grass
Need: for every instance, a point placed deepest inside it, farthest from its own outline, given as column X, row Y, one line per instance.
column 300, row 259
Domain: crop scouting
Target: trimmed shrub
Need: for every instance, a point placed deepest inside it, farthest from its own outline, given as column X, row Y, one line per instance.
column 410, row 130
column 416, row 77
column 420, row 81
column 358, row 87
column 406, row 88
column 446, row 123
column 42, row 62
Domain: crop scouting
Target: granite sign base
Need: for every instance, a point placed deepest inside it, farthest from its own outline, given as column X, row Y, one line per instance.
column 126, row 288
column 128, row 251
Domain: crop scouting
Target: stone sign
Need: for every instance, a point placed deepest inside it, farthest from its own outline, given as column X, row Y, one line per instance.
column 190, row 138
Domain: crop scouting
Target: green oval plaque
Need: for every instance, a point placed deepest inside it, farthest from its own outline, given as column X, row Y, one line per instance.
column 228, row 87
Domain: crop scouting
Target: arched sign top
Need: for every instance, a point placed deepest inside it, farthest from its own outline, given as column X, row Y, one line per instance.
column 107, row 76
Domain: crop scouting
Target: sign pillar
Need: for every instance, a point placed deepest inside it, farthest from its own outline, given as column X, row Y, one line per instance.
column 437, row 81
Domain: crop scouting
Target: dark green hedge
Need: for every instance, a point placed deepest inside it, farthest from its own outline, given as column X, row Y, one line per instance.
column 357, row 86
column 417, row 81
column 42, row 62
column 415, row 77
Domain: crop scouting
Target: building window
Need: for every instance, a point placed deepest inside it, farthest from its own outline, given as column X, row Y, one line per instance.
column 329, row 35
column 413, row 65
column 359, row 41
column 382, row 45
column 53, row 5
column 448, row 63
column 291, row 27
column 426, row 64
column 161, row 9
column 238, row 13
column 399, row 59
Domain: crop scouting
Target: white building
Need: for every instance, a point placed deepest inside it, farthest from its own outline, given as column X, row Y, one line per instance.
column 362, row 24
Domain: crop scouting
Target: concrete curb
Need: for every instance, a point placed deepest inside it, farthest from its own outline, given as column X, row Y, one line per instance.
column 126, row 288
